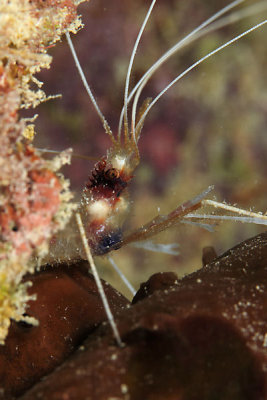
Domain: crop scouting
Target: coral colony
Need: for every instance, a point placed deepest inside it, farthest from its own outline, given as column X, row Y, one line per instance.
column 34, row 198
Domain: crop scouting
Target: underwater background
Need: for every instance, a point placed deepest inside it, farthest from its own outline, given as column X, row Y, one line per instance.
column 209, row 129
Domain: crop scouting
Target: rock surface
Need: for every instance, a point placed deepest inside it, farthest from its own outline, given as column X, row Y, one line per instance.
column 202, row 337
column 68, row 308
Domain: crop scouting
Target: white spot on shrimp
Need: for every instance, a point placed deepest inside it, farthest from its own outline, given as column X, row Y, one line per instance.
column 99, row 209
column 118, row 162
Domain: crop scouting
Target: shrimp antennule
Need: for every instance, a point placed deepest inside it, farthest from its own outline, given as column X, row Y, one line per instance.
column 186, row 40
column 198, row 62
column 89, row 91
column 206, row 27
column 126, row 127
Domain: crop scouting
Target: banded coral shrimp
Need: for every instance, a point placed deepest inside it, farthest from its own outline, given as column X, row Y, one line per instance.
column 192, row 156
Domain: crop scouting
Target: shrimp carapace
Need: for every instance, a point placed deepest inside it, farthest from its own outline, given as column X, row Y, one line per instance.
column 105, row 201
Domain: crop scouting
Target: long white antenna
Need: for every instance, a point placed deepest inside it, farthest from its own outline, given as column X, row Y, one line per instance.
column 122, row 276
column 98, row 281
column 229, row 19
column 260, row 220
column 193, row 66
column 131, row 64
column 234, row 209
column 87, row 87
column 174, row 49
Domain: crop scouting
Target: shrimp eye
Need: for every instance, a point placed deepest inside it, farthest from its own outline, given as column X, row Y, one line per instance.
column 112, row 173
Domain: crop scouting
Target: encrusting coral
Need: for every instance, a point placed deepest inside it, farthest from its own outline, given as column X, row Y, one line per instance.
column 34, row 198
